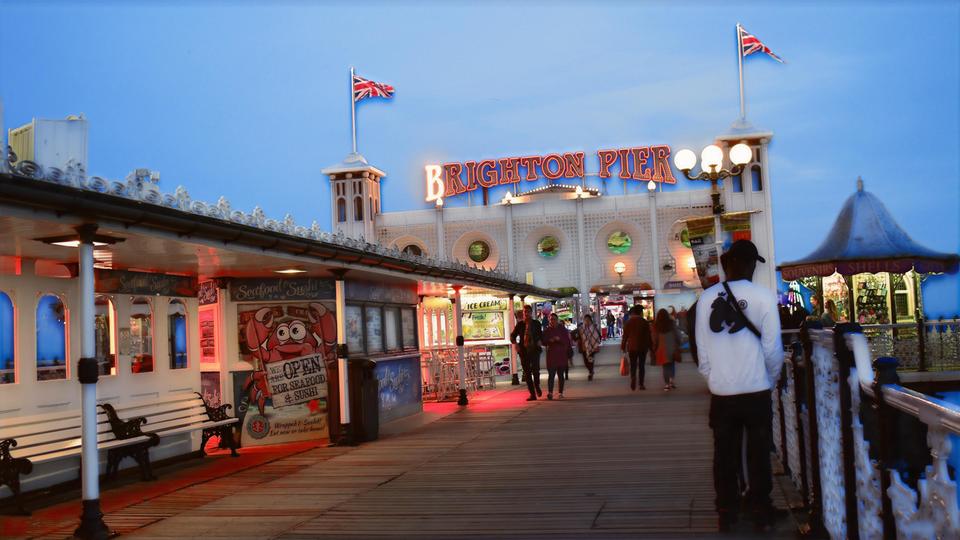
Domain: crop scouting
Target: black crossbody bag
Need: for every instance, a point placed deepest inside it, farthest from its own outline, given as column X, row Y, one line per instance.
column 736, row 305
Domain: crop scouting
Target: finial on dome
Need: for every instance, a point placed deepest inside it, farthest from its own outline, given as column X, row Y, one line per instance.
column 859, row 184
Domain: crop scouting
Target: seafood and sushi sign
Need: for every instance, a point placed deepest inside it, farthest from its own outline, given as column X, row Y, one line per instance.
column 298, row 380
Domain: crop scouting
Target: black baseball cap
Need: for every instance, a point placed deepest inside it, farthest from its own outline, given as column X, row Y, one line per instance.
column 744, row 250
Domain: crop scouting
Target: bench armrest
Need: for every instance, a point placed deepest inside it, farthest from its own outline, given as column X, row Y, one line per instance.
column 123, row 429
column 216, row 414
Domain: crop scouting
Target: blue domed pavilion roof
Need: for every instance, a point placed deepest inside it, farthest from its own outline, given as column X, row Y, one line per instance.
column 866, row 238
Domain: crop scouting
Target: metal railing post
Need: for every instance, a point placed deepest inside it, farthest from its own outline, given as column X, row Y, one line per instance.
column 783, row 420
column 815, row 504
column 884, row 450
column 921, row 341
column 845, row 361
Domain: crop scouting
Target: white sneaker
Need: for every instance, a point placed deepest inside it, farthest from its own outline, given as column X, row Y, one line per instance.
column 560, row 396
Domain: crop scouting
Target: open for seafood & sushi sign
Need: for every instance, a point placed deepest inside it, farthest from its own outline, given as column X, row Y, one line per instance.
column 297, row 380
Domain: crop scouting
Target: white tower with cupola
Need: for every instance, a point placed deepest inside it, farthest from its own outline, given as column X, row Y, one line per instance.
column 751, row 192
column 354, row 197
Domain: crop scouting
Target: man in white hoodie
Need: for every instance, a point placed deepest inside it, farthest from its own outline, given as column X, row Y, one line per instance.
column 741, row 354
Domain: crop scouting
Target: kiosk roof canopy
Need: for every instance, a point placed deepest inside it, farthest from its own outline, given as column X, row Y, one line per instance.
column 866, row 238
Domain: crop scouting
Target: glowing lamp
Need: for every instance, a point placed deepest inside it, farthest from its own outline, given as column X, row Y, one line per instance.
column 651, row 186
column 685, row 160
column 508, row 198
column 579, row 192
column 740, row 154
column 619, row 268
column 439, row 202
column 711, row 157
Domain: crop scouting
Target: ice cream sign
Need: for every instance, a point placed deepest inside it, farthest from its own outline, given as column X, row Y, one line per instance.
column 644, row 163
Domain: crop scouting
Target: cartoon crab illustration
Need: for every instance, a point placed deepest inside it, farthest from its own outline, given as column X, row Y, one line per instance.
column 272, row 341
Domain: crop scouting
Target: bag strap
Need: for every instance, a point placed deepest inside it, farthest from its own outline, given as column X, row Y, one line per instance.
column 736, row 305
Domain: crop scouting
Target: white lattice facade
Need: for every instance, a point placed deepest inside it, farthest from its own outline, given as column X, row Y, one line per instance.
column 582, row 227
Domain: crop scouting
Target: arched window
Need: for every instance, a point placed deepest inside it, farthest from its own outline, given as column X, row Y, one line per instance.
column 105, row 334
column 357, row 209
column 8, row 368
column 141, row 336
column 51, row 338
column 757, row 178
column 341, row 210
column 413, row 249
column 177, row 315
column 372, row 214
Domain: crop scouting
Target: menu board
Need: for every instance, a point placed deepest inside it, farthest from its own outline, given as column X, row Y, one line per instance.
column 391, row 325
column 408, row 327
column 374, row 330
column 483, row 325
column 354, row 328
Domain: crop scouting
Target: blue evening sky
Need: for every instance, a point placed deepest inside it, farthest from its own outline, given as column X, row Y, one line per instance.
column 251, row 101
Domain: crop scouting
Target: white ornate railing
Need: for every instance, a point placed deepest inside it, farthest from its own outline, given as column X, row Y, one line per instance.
column 827, row 381
column 939, row 349
column 885, row 505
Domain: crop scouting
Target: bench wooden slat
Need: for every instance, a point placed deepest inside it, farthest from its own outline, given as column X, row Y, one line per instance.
column 26, row 430
column 183, row 413
column 176, row 422
column 50, row 440
column 75, row 450
column 50, row 436
column 194, row 427
column 138, row 408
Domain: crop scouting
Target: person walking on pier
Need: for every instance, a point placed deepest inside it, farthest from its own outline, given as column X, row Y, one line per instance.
column 666, row 347
column 741, row 353
column 589, row 343
column 527, row 336
column 636, row 342
column 557, row 339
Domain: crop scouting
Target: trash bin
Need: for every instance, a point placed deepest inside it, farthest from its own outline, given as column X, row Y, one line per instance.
column 364, row 400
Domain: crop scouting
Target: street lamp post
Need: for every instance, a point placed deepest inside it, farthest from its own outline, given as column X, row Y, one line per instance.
column 711, row 161
column 654, row 240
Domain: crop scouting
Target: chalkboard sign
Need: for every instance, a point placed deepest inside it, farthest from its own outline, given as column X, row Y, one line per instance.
column 146, row 283
column 273, row 289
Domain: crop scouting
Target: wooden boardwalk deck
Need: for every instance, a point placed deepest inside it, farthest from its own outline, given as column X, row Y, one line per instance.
column 603, row 463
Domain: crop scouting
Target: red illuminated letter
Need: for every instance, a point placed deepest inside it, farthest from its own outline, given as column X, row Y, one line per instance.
column 552, row 158
column 509, row 170
column 607, row 158
column 451, row 172
column 661, row 165
column 574, row 165
column 640, row 157
column 471, row 167
column 530, row 163
column 624, row 163
column 487, row 173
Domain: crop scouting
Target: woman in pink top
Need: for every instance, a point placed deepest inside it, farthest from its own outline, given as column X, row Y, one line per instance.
column 559, row 347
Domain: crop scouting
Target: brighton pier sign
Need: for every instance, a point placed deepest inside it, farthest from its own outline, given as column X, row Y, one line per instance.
column 642, row 163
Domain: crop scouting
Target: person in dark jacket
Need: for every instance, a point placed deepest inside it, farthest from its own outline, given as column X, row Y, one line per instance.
column 527, row 336
column 635, row 343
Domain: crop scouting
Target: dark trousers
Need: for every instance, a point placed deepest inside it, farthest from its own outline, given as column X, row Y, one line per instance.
column 588, row 362
column 551, row 373
column 730, row 416
column 636, row 364
column 669, row 372
column 530, row 361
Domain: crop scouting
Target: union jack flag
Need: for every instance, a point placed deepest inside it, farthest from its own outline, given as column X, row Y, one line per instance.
column 749, row 44
column 362, row 88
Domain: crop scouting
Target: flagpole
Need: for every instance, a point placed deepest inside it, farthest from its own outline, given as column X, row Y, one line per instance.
column 353, row 112
column 743, row 109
